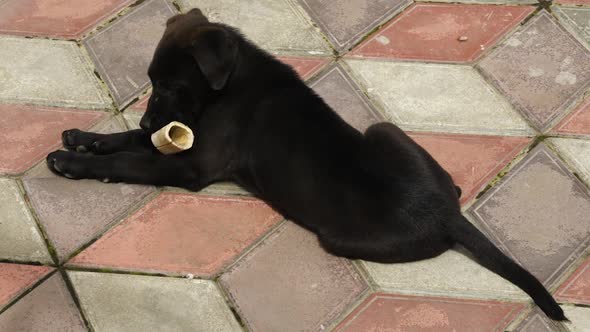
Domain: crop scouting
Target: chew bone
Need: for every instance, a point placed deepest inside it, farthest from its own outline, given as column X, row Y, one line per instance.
column 173, row 138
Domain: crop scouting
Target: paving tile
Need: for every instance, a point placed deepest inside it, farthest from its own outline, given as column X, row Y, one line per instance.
column 74, row 212
column 55, row 18
column 48, row 72
column 17, row 278
column 536, row 321
column 383, row 312
column 498, row 2
column 289, row 283
column 542, row 70
column 576, row 289
column 343, row 96
column 122, row 302
column 452, row 274
column 182, row 234
column 437, row 97
column 577, row 20
column 575, row 153
column 278, row 26
column 48, row 307
column 432, row 32
column 576, row 123
column 574, row 2
column 141, row 104
column 132, row 119
column 579, row 317
column 19, row 237
column 346, row 22
column 28, row 133
column 122, row 51
column 306, row 67
column 471, row 160
column 537, row 215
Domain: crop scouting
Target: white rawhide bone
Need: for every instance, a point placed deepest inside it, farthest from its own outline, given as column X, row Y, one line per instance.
column 173, row 138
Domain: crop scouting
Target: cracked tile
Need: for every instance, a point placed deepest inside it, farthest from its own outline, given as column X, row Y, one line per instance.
column 542, row 70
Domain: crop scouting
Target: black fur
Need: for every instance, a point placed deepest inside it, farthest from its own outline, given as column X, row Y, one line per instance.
column 376, row 196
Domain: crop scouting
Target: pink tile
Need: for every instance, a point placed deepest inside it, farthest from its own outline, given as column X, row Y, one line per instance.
column 578, row 122
column 576, row 289
column 432, row 32
column 141, row 104
column 471, row 160
column 305, row 67
column 383, row 312
column 27, row 133
column 16, row 278
column 181, row 234
column 55, row 18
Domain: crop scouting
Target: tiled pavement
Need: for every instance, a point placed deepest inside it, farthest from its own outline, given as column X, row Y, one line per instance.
column 497, row 90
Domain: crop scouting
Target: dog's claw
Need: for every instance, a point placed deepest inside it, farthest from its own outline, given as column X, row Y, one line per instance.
column 81, row 148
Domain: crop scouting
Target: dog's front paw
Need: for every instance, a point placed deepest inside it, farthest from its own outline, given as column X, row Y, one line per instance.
column 80, row 141
column 65, row 163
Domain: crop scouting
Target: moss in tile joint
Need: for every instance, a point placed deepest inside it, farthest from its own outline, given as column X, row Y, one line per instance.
column 27, row 291
column 176, row 5
column 72, row 291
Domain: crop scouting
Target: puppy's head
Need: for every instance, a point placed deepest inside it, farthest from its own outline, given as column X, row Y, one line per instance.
column 193, row 60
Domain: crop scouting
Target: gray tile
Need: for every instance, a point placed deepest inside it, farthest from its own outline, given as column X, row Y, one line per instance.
column 347, row 21
column 48, row 72
column 577, row 20
column 289, row 283
column 538, row 214
column 344, row 97
column 122, row 51
column 49, row 307
column 537, row 322
column 542, row 69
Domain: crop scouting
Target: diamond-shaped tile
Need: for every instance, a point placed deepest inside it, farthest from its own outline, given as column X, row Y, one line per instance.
column 181, row 234
column 27, row 133
column 437, row 97
column 122, row 302
column 17, row 278
column 346, row 22
column 541, row 68
column 383, row 312
column 278, row 26
column 122, row 51
column 433, row 32
column 579, row 317
column 346, row 99
column 452, row 274
column 471, row 160
column 55, row 18
column 577, row 19
column 538, row 215
column 48, row 307
column 575, row 152
column 577, row 123
column 19, row 237
column 306, row 67
column 576, row 289
column 289, row 283
column 74, row 212
column 536, row 321
column 48, row 72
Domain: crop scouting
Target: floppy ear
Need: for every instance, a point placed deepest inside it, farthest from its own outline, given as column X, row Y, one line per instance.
column 215, row 50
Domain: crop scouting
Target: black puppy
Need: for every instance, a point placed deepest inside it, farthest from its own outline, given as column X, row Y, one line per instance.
column 376, row 196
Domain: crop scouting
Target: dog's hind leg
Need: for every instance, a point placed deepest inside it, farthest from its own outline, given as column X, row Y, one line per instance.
column 130, row 141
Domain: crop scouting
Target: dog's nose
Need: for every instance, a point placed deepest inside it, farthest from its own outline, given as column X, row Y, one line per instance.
column 144, row 123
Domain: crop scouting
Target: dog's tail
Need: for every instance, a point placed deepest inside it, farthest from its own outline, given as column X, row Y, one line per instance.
column 488, row 255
